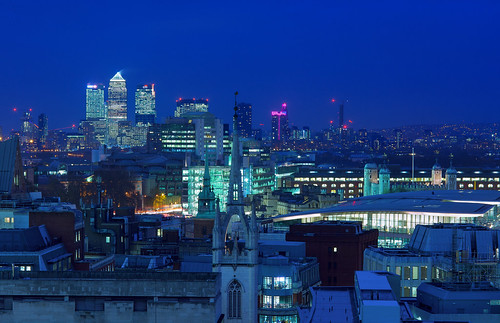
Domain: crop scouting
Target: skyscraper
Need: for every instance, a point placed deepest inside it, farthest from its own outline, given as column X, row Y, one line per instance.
column 117, row 106
column 245, row 120
column 279, row 125
column 94, row 126
column 190, row 105
column 43, row 128
column 145, row 105
column 95, row 107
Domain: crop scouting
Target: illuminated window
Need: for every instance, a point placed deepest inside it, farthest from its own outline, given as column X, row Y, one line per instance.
column 414, row 273
column 268, row 282
column 108, row 239
column 28, row 268
column 267, row 301
column 6, row 220
column 283, row 301
column 282, row 282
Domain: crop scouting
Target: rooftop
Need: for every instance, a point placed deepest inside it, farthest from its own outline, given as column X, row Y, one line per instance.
column 442, row 202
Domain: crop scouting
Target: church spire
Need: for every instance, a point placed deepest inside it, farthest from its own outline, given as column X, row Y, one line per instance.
column 235, row 194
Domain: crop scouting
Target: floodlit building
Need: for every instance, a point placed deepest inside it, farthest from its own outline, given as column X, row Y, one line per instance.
column 235, row 249
column 396, row 215
column 192, row 178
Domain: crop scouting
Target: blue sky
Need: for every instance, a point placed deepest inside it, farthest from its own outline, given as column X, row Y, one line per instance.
column 396, row 62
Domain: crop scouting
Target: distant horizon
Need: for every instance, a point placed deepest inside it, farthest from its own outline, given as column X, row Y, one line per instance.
column 396, row 63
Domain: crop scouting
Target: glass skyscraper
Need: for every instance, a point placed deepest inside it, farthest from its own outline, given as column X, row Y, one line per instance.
column 279, row 125
column 117, row 106
column 244, row 121
column 95, row 108
column 145, row 105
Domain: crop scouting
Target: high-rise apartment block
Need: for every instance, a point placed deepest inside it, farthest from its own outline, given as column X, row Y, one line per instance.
column 244, row 120
column 145, row 105
column 279, row 124
column 190, row 105
column 95, row 107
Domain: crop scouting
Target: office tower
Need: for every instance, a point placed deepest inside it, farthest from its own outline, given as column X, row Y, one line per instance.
column 245, row 120
column 43, row 128
column 95, row 108
column 29, row 133
column 175, row 135
column 94, row 127
column 117, row 106
column 190, row 105
column 279, row 124
column 145, row 105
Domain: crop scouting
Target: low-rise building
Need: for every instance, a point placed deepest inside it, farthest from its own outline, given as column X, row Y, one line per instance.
column 337, row 245
column 109, row 297
column 441, row 252
column 457, row 302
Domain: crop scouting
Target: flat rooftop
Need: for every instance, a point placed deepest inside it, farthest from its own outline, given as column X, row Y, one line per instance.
column 369, row 280
column 441, row 202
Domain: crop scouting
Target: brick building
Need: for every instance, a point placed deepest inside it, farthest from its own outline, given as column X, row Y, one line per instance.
column 337, row 245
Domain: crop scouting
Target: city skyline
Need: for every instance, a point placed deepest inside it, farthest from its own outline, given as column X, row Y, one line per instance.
column 394, row 63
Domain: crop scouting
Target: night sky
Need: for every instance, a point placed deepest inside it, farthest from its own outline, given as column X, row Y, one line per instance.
column 396, row 62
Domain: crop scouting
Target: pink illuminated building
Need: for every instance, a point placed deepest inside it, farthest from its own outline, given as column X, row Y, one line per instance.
column 279, row 125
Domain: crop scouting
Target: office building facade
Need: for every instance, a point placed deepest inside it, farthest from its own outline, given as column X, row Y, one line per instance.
column 145, row 105
column 245, row 120
column 190, row 105
column 95, row 107
column 117, row 106
column 280, row 130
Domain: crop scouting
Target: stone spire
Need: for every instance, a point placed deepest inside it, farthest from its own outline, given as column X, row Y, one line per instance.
column 206, row 198
column 235, row 194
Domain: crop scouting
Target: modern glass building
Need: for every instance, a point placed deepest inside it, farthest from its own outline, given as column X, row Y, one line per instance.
column 117, row 105
column 95, row 108
column 145, row 105
column 192, row 179
column 190, row 105
column 244, row 121
column 279, row 125
column 396, row 215
column 175, row 135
